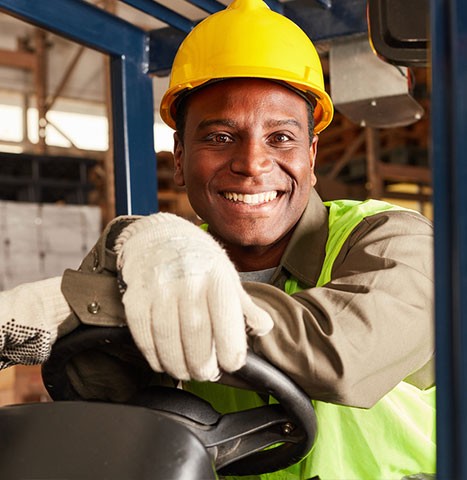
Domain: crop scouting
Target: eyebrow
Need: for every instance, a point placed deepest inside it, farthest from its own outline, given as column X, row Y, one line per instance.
column 286, row 121
column 225, row 122
column 232, row 124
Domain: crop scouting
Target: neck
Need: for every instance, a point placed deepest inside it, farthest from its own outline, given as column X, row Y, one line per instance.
column 250, row 258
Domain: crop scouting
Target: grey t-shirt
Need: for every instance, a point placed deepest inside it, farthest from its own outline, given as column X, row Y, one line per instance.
column 261, row 276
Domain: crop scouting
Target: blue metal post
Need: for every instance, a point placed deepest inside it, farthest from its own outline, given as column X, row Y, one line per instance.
column 133, row 118
column 449, row 149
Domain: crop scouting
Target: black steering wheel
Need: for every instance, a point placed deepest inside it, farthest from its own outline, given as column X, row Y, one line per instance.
column 250, row 442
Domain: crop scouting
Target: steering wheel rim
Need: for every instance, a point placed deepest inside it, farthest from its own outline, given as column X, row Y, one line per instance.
column 238, row 448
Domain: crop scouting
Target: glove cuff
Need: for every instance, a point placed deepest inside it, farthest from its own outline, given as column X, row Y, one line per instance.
column 156, row 229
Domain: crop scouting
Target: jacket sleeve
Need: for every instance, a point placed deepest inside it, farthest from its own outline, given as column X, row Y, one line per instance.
column 354, row 339
column 92, row 290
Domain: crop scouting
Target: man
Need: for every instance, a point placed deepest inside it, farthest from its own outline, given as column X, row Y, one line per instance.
column 338, row 295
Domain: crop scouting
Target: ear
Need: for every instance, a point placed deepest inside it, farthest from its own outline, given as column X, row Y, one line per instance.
column 313, row 152
column 179, row 178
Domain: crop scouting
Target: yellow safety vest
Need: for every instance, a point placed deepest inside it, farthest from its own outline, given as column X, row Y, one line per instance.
column 394, row 438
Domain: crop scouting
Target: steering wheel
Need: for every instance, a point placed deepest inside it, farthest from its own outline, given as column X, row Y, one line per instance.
column 250, row 442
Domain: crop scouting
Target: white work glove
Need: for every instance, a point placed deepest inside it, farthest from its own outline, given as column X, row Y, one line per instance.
column 29, row 318
column 184, row 302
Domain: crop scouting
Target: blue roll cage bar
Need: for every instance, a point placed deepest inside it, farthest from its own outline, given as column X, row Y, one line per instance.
column 135, row 55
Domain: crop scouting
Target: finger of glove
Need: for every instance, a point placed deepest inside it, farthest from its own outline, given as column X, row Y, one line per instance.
column 227, row 321
column 138, row 316
column 197, row 335
column 258, row 321
column 166, row 331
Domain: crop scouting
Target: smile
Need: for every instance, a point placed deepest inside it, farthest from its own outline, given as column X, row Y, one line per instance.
column 251, row 198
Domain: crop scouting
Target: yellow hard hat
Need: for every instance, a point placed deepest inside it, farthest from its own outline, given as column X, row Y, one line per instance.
column 247, row 39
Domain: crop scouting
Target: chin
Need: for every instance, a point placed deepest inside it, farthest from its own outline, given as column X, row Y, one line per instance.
column 251, row 240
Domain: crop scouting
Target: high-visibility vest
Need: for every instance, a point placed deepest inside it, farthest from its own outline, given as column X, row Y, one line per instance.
column 394, row 438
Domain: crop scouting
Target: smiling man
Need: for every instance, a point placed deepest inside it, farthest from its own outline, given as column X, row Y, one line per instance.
column 338, row 295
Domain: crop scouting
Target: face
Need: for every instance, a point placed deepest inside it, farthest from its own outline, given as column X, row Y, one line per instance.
column 247, row 162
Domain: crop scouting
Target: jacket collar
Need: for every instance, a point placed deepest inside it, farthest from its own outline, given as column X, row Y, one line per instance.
column 304, row 255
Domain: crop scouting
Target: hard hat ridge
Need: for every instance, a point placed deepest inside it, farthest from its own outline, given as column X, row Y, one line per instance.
column 248, row 40
column 247, row 4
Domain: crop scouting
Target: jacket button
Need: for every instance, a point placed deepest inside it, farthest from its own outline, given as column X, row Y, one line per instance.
column 94, row 308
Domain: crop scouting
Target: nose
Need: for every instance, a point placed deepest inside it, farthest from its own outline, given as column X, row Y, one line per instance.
column 251, row 158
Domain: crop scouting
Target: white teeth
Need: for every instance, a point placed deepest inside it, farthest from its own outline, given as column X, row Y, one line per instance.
column 251, row 199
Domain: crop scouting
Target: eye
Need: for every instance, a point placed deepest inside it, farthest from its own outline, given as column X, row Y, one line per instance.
column 220, row 138
column 280, row 138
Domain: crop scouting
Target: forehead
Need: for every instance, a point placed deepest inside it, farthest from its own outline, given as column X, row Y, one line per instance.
column 247, row 95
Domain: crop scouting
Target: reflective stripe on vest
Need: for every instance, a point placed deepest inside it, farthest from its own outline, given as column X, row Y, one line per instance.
column 394, row 438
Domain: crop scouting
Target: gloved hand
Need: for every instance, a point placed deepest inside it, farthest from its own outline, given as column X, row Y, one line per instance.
column 184, row 302
column 29, row 318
